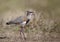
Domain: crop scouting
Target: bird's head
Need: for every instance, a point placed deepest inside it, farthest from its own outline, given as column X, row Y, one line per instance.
column 29, row 12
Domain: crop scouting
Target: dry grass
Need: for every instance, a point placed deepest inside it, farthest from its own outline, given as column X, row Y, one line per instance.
column 43, row 30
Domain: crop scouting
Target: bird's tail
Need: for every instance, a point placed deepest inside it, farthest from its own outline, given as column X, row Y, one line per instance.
column 9, row 23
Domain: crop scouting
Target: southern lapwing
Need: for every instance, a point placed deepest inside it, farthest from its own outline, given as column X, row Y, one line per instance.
column 22, row 21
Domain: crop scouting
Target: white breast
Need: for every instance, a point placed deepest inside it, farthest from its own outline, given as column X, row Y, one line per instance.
column 23, row 23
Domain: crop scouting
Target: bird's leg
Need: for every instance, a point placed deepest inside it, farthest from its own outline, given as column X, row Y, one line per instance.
column 22, row 33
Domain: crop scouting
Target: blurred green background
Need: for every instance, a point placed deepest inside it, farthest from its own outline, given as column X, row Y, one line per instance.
column 52, row 6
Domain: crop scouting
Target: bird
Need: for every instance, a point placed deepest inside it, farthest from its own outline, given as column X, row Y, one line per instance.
column 22, row 21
